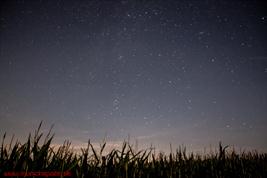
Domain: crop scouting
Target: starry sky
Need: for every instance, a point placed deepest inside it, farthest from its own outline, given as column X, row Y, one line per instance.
column 183, row 72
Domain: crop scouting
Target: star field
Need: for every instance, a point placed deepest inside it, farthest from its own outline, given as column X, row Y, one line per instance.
column 180, row 72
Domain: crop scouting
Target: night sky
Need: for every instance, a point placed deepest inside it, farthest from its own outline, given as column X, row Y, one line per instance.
column 184, row 72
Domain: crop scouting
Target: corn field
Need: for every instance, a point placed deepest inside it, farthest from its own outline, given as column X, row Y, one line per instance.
column 126, row 162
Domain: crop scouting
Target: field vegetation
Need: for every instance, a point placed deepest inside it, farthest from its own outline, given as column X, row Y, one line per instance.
column 127, row 162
